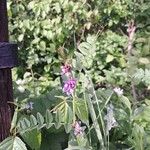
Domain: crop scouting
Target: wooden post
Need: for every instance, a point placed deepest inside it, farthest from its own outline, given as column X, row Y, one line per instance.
column 6, row 93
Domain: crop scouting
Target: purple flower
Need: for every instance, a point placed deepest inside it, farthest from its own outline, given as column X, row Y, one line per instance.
column 29, row 105
column 78, row 130
column 65, row 69
column 69, row 86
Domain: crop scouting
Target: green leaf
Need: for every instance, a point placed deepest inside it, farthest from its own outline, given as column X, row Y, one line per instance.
column 126, row 101
column 147, row 101
column 94, row 118
column 109, row 58
column 82, row 141
column 12, row 143
column 88, row 48
column 26, row 123
column 49, row 119
column 58, row 119
column 81, row 110
column 40, row 120
column 138, row 75
column 68, row 114
column 42, row 45
column 84, row 48
column 14, row 120
column 91, row 39
column 22, row 125
column 138, row 135
column 57, row 7
column 147, row 76
column 20, row 38
column 58, row 125
column 68, row 127
column 144, row 60
column 73, row 145
column 64, row 113
column 26, row 24
column 31, row 5
column 33, row 139
column 33, row 121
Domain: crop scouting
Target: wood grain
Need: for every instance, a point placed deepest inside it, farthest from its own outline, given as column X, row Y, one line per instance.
column 6, row 93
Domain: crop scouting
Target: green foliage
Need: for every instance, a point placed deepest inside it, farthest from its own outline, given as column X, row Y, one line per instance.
column 12, row 143
column 38, row 122
column 142, row 76
column 141, row 116
column 92, row 36
column 81, row 110
column 33, row 138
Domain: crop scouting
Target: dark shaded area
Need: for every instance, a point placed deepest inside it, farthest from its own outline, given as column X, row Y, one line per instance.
column 54, row 141
column 6, row 95
column 8, row 55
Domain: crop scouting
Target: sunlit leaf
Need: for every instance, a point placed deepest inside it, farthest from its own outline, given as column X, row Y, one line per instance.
column 12, row 143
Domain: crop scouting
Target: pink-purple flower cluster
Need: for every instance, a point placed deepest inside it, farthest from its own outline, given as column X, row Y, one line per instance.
column 69, row 86
column 65, row 69
column 78, row 130
column 70, row 83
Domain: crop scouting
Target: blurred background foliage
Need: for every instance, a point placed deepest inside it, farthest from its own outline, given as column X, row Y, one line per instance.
column 43, row 29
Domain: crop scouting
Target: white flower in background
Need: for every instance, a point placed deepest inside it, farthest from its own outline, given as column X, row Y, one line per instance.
column 20, row 84
column 110, row 120
column 21, row 89
column 19, row 81
column 118, row 91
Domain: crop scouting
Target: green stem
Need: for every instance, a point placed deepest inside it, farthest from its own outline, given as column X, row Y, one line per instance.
column 94, row 119
column 99, row 110
column 73, row 107
column 14, row 122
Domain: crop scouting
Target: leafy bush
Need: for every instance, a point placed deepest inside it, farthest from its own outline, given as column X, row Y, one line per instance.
column 106, row 45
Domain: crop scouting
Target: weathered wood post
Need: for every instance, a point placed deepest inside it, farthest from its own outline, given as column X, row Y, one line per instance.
column 8, row 59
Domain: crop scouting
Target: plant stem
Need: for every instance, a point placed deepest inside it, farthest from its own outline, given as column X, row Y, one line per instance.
column 99, row 110
column 131, row 33
column 73, row 107
column 94, row 119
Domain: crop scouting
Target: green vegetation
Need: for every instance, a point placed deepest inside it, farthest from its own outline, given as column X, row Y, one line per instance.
column 106, row 44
